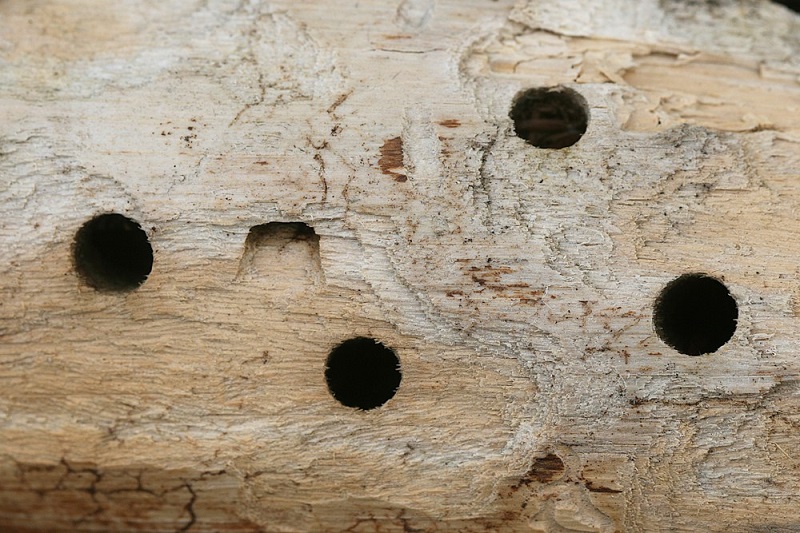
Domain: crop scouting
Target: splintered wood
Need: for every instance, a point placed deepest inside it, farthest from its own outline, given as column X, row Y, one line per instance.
column 291, row 175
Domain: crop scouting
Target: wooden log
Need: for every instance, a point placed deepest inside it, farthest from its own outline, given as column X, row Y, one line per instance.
column 384, row 265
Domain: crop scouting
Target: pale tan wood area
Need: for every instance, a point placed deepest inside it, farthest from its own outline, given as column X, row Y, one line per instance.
column 308, row 172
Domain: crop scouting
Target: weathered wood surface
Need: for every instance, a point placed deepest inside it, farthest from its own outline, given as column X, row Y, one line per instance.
column 515, row 284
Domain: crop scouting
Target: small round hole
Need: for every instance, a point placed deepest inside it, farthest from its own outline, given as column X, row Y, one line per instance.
column 550, row 117
column 112, row 253
column 362, row 373
column 695, row 314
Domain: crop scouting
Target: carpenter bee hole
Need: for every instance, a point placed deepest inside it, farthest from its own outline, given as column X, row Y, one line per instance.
column 794, row 5
column 550, row 117
column 362, row 373
column 695, row 314
column 284, row 253
column 111, row 252
column 281, row 232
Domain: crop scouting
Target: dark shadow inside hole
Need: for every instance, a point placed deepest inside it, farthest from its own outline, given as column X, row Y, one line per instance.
column 363, row 373
column 286, row 253
column 111, row 252
column 695, row 314
column 794, row 5
column 281, row 232
column 550, row 117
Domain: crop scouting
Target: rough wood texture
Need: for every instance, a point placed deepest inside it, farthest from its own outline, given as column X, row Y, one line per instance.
column 515, row 284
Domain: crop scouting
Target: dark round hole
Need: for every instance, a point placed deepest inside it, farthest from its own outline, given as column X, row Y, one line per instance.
column 794, row 5
column 363, row 373
column 112, row 253
column 550, row 117
column 695, row 314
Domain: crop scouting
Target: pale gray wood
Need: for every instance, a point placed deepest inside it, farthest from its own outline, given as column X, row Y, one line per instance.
column 515, row 284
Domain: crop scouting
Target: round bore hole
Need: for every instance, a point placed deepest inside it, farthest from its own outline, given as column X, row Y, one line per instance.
column 550, row 117
column 363, row 373
column 794, row 5
column 112, row 253
column 695, row 314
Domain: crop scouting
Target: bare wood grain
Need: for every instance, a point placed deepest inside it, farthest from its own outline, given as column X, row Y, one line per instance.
column 515, row 284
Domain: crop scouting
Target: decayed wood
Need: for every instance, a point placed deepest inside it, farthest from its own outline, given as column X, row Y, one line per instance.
column 515, row 284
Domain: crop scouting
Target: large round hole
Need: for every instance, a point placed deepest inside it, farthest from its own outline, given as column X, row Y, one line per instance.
column 794, row 5
column 363, row 373
column 695, row 314
column 550, row 117
column 112, row 253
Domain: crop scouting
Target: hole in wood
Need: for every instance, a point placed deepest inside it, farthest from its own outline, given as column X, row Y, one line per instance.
column 111, row 252
column 281, row 255
column 362, row 373
column 695, row 314
column 794, row 5
column 550, row 117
